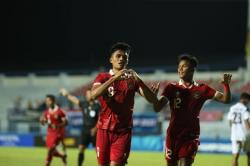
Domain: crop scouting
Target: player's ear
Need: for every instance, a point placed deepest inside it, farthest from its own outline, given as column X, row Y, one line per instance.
column 126, row 63
column 110, row 58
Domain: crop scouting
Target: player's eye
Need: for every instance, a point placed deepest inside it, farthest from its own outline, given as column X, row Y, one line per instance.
column 118, row 56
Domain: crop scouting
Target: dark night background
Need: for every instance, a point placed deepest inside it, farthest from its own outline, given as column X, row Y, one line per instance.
column 61, row 35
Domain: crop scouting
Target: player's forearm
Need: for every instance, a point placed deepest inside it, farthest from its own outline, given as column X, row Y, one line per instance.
column 247, row 124
column 101, row 89
column 70, row 97
column 147, row 93
column 73, row 99
column 160, row 104
column 226, row 98
column 63, row 123
column 152, row 98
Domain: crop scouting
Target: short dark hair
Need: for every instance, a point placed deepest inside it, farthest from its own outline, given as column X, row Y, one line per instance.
column 245, row 95
column 52, row 97
column 120, row 46
column 192, row 59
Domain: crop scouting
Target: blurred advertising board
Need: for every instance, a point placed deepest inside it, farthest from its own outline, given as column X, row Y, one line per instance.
column 16, row 139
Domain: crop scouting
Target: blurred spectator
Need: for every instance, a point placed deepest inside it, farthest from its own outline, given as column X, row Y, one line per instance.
column 29, row 106
column 18, row 105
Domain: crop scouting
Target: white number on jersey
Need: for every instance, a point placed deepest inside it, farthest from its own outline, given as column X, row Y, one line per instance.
column 177, row 102
column 111, row 91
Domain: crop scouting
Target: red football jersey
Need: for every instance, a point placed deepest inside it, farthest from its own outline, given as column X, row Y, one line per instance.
column 54, row 117
column 117, row 104
column 185, row 104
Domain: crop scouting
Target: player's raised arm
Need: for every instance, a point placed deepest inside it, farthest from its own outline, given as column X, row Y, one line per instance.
column 70, row 97
column 224, row 97
column 101, row 88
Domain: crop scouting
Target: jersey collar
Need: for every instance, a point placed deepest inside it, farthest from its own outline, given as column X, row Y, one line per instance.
column 241, row 104
column 55, row 109
column 194, row 83
column 111, row 72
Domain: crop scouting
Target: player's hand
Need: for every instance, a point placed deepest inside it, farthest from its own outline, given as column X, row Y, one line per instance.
column 63, row 92
column 43, row 121
column 93, row 131
column 155, row 88
column 226, row 79
column 132, row 73
column 120, row 74
column 53, row 126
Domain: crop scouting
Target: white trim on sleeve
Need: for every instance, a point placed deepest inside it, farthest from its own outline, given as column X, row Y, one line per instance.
column 96, row 83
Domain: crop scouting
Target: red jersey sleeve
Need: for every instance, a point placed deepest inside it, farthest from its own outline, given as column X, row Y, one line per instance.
column 136, row 85
column 100, row 79
column 167, row 91
column 62, row 113
column 209, row 92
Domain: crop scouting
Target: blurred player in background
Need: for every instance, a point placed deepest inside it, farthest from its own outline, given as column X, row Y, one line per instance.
column 90, row 109
column 238, row 117
column 56, row 119
column 116, row 91
column 186, row 99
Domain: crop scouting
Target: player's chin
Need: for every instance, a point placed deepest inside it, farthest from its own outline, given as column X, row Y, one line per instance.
column 181, row 76
column 120, row 66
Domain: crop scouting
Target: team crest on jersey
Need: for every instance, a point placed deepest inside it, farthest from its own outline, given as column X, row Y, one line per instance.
column 130, row 85
column 197, row 94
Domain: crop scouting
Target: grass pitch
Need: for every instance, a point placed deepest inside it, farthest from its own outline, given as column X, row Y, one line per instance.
column 19, row 156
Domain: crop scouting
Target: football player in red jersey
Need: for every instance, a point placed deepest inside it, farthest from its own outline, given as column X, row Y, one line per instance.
column 186, row 99
column 56, row 119
column 116, row 90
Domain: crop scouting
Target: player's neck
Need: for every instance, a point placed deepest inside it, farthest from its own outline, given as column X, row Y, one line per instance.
column 243, row 102
column 187, row 82
column 53, row 108
column 115, row 70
